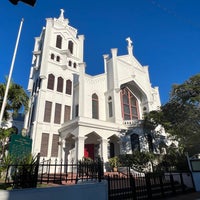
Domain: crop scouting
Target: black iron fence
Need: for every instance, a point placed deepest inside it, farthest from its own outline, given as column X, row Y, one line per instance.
column 120, row 185
column 148, row 186
column 53, row 172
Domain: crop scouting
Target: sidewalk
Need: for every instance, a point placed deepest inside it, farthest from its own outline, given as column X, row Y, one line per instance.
column 190, row 196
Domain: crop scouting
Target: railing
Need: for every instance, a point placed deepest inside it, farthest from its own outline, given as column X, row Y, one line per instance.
column 24, row 176
column 132, row 123
column 150, row 186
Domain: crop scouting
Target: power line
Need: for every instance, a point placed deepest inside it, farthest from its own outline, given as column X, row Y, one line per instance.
column 174, row 14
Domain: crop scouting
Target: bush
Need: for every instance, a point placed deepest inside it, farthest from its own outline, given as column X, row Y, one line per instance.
column 137, row 160
column 114, row 162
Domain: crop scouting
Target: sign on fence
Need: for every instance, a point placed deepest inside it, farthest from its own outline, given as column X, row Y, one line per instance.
column 20, row 146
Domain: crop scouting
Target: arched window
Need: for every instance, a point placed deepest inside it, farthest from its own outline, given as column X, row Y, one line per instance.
column 129, row 105
column 110, row 109
column 135, row 142
column 95, row 106
column 69, row 87
column 58, row 58
column 60, row 84
column 52, row 56
column 70, row 63
column 70, row 46
column 75, row 65
column 50, row 84
column 59, row 42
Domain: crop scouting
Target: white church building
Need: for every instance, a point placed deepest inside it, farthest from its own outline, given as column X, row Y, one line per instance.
column 73, row 114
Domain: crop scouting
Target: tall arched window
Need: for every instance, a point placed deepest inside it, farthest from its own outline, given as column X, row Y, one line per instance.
column 59, row 42
column 69, row 87
column 71, row 46
column 50, row 84
column 129, row 105
column 60, row 84
column 110, row 109
column 95, row 106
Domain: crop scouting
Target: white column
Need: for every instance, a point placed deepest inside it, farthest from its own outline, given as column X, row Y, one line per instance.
column 104, row 149
column 79, row 146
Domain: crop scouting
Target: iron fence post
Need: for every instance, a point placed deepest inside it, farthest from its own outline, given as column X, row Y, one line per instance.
column 148, row 184
column 133, row 186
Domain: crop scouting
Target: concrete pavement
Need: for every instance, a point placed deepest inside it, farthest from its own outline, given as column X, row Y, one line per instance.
column 190, row 196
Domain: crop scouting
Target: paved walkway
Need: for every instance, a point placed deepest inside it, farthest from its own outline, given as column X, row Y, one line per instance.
column 190, row 196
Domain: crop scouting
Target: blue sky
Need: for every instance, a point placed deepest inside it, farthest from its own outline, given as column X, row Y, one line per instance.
column 165, row 35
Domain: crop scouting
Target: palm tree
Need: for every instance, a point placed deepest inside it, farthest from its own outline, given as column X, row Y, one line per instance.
column 17, row 99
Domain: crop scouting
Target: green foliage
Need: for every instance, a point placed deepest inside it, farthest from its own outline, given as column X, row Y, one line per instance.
column 114, row 162
column 174, row 160
column 181, row 115
column 137, row 160
column 4, row 136
column 17, row 99
column 6, row 161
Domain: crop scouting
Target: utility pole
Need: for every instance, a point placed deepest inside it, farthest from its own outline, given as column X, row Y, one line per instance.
column 10, row 73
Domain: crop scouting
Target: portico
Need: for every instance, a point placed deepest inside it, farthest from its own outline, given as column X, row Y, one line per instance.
column 82, row 138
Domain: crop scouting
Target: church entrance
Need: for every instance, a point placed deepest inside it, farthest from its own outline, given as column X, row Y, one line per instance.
column 89, row 151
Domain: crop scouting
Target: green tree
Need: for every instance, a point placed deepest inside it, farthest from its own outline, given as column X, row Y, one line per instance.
column 17, row 99
column 181, row 115
column 4, row 138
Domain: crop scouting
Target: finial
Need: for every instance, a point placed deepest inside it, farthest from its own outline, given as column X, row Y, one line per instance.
column 128, row 39
column 61, row 14
column 130, row 46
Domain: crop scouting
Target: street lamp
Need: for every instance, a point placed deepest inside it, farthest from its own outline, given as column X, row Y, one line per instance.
column 29, row 2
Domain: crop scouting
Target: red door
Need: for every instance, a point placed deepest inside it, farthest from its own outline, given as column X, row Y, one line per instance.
column 89, row 151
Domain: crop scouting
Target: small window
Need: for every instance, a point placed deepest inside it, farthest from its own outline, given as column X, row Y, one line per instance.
column 70, row 46
column 70, row 63
column 75, row 65
column 60, row 84
column 69, row 87
column 76, row 110
column 58, row 58
column 52, row 56
column 59, row 42
column 95, row 106
column 110, row 109
column 50, row 84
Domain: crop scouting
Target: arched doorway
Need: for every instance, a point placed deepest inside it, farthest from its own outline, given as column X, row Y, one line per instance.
column 92, row 146
column 114, row 146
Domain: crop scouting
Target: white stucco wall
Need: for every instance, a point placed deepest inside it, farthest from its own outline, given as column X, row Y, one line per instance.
column 89, row 191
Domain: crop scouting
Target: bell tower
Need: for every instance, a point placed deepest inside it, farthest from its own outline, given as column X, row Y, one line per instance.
column 57, row 55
